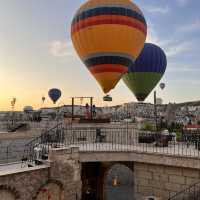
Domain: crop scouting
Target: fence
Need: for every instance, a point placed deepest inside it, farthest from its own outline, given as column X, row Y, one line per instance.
column 112, row 139
column 190, row 193
column 102, row 138
column 130, row 139
column 38, row 148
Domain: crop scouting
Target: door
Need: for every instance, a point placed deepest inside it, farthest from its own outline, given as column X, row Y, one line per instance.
column 119, row 183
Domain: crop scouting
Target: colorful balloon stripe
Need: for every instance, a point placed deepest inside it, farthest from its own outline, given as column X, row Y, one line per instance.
column 109, row 11
column 113, row 54
column 119, row 3
column 108, row 38
column 109, row 3
column 107, row 19
column 108, row 68
column 109, row 60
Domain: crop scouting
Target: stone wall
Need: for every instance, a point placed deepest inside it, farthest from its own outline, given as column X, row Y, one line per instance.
column 162, row 181
column 66, row 168
column 59, row 179
column 23, row 185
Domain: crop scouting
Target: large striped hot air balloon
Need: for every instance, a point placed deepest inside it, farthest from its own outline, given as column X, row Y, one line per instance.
column 108, row 35
column 146, row 72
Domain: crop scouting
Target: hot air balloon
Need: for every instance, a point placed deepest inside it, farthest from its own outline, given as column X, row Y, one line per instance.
column 146, row 72
column 162, row 86
column 28, row 109
column 54, row 94
column 108, row 36
column 43, row 99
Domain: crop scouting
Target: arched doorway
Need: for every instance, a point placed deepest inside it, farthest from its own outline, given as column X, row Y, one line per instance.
column 51, row 191
column 119, row 183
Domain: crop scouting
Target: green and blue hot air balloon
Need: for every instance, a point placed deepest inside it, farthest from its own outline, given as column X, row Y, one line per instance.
column 146, row 72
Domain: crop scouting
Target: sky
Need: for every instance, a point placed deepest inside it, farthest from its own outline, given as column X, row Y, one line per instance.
column 36, row 52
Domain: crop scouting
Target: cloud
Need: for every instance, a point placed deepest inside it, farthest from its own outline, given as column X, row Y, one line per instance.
column 153, row 36
column 172, row 46
column 189, row 82
column 188, row 28
column 182, row 2
column 182, row 67
column 158, row 10
column 61, row 49
column 178, row 48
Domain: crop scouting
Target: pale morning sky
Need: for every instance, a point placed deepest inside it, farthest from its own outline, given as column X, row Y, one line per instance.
column 36, row 52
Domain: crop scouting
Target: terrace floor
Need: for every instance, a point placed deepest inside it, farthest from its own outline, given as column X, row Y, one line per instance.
column 178, row 149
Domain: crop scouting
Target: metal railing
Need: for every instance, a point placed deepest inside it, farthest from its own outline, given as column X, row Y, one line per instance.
column 190, row 193
column 130, row 139
column 38, row 148
column 105, row 139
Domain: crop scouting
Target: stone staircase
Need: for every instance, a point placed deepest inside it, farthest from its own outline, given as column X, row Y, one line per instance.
column 36, row 151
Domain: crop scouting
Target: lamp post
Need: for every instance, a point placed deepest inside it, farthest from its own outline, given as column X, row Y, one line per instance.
column 162, row 86
column 155, row 111
column 13, row 102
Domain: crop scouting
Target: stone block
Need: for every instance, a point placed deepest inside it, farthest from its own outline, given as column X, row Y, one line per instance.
column 191, row 181
column 177, row 179
column 144, row 174
column 164, row 177
column 156, row 184
column 140, row 166
column 173, row 187
column 156, row 168
column 74, row 149
column 191, row 173
column 161, row 177
column 161, row 194
column 142, row 181
column 145, row 191
column 156, row 177
column 173, row 171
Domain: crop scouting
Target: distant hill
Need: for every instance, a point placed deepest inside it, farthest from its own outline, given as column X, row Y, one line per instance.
column 192, row 103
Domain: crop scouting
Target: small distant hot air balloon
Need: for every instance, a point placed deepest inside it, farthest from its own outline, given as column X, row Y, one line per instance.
column 146, row 72
column 54, row 94
column 43, row 99
column 162, row 86
column 28, row 109
column 108, row 36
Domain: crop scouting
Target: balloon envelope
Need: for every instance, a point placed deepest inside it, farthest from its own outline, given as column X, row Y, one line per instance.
column 54, row 94
column 162, row 86
column 108, row 36
column 43, row 99
column 146, row 72
column 28, row 109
